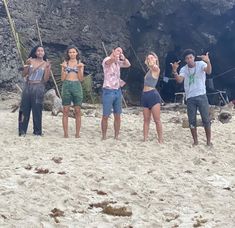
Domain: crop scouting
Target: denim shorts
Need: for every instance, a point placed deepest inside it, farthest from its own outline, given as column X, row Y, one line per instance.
column 150, row 98
column 112, row 101
column 72, row 92
column 201, row 103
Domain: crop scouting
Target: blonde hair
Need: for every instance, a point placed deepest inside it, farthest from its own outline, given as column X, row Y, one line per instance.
column 155, row 55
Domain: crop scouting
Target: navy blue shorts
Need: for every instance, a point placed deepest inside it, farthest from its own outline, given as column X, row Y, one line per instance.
column 150, row 98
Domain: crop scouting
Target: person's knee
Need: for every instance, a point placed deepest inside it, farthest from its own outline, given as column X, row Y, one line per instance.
column 192, row 121
column 147, row 119
column 107, row 110
column 206, row 119
column 192, row 124
column 66, row 111
column 157, row 121
column 77, row 111
column 105, row 118
column 206, row 123
column 117, row 117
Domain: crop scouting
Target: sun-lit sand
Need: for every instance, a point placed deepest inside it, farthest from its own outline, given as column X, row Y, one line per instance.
column 169, row 185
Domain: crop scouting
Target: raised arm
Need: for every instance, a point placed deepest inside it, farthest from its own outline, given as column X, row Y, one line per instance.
column 112, row 59
column 155, row 71
column 47, row 71
column 63, row 72
column 125, row 62
column 206, row 59
column 26, row 67
column 80, row 71
column 175, row 67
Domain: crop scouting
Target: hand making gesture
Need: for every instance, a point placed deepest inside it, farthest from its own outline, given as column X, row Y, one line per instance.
column 64, row 64
column 48, row 65
column 28, row 62
column 205, row 57
column 175, row 66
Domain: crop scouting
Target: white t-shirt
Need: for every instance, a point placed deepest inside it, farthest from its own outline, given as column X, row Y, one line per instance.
column 194, row 79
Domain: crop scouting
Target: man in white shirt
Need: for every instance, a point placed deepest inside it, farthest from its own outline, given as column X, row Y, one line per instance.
column 193, row 74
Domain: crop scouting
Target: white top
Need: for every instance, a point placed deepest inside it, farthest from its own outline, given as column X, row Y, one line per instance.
column 194, row 79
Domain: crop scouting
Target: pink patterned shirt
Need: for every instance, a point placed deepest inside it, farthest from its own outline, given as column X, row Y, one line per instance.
column 112, row 78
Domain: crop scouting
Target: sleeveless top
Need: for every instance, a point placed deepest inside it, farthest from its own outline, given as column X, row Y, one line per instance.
column 36, row 75
column 149, row 80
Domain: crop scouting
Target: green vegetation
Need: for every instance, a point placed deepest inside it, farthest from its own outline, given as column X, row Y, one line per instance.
column 88, row 94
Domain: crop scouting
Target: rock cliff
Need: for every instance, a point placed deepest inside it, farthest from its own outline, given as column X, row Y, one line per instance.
column 137, row 25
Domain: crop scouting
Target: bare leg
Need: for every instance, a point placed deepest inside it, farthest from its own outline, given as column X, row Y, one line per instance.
column 117, row 124
column 204, row 111
column 78, row 120
column 147, row 117
column 156, row 116
column 208, row 136
column 194, row 134
column 65, row 120
column 192, row 118
column 104, row 126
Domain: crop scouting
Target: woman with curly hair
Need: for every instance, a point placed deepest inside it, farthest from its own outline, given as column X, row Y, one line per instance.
column 36, row 72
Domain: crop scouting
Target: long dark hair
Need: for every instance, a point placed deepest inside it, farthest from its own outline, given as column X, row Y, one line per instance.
column 34, row 50
column 67, row 58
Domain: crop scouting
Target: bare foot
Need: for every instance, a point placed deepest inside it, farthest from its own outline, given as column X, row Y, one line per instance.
column 104, row 138
column 209, row 144
column 66, row 136
column 77, row 136
column 195, row 144
column 160, row 141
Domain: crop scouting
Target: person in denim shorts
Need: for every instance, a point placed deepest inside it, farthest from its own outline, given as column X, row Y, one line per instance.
column 112, row 94
column 194, row 76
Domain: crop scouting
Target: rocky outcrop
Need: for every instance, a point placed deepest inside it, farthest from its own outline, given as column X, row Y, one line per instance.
column 136, row 25
column 9, row 62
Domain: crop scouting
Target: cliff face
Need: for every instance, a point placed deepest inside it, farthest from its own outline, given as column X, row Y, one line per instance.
column 136, row 25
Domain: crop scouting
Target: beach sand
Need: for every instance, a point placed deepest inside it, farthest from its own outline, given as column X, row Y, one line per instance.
column 169, row 185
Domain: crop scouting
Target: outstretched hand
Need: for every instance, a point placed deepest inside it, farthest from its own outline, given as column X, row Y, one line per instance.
column 175, row 65
column 205, row 57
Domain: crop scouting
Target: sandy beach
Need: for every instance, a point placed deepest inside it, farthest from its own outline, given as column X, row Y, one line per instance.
column 169, row 185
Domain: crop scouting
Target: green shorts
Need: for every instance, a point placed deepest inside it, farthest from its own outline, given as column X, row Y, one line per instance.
column 72, row 92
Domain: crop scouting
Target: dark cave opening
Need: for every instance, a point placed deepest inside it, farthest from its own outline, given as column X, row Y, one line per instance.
column 186, row 28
